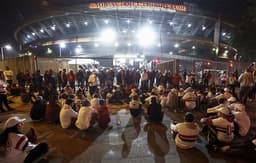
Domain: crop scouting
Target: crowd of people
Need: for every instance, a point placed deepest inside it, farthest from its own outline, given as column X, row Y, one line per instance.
column 80, row 100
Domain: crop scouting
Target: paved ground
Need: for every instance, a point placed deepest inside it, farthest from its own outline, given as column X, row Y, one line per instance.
column 124, row 143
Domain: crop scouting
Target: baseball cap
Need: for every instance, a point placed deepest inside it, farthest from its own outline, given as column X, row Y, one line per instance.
column 12, row 121
column 224, row 110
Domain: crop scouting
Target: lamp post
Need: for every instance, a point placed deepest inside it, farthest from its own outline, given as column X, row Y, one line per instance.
column 7, row 47
column 61, row 46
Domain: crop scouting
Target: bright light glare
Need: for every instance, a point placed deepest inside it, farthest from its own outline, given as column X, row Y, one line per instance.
column 116, row 44
column 193, row 47
column 68, row 25
column 53, row 27
column 62, row 45
column 33, row 34
column 146, row 36
column 176, row 45
column 41, row 30
column 108, row 35
column 8, row 47
column 106, row 21
column 78, row 49
column 203, row 28
column 189, row 25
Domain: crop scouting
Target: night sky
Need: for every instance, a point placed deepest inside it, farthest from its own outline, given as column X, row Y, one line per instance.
column 14, row 12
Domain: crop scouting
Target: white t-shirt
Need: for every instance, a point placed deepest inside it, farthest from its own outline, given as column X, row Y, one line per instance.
column 225, row 129
column 14, row 149
column 66, row 115
column 243, row 121
column 84, row 117
column 187, row 134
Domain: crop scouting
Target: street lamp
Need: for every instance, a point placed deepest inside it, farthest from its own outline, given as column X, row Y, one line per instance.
column 61, row 46
column 7, row 47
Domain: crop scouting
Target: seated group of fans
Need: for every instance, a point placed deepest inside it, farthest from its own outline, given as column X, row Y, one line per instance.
column 226, row 118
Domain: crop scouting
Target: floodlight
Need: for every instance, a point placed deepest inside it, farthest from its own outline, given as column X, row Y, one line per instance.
column 146, row 36
column 116, row 44
column 68, row 25
column 8, row 47
column 108, row 35
column 53, row 27
column 78, row 49
column 106, row 21
column 176, row 45
column 62, row 45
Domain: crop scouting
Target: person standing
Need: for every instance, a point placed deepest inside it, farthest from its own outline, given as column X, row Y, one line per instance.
column 246, row 81
column 92, row 83
column 8, row 75
column 3, row 94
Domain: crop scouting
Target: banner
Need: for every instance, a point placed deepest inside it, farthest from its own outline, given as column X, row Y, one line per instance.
column 137, row 5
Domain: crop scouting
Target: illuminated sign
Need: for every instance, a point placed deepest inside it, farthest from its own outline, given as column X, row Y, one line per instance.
column 138, row 6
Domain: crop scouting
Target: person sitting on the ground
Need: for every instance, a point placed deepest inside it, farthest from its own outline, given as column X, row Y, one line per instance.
column 117, row 96
column 172, row 100
column 67, row 115
column 154, row 111
column 186, row 133
column 103, row 117
column 37, row 111
column 95, row 101
column 18, row 147
column 133, row 93
column 189, row 99
column 78, row 101
column 87, row 116
column 135, row 109
column 241, row 117
column 68, row 91
column 52, row 110
column 163, row 99
column 148, row 100
column 217, row 103
column 227, row 94
column 221, row 129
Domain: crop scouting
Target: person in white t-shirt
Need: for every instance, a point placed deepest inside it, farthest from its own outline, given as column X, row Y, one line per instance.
column 19, row 148
column 186, row 132
column 241, row 117
column 67, row 115
column 221, row 129
column 86, row 116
